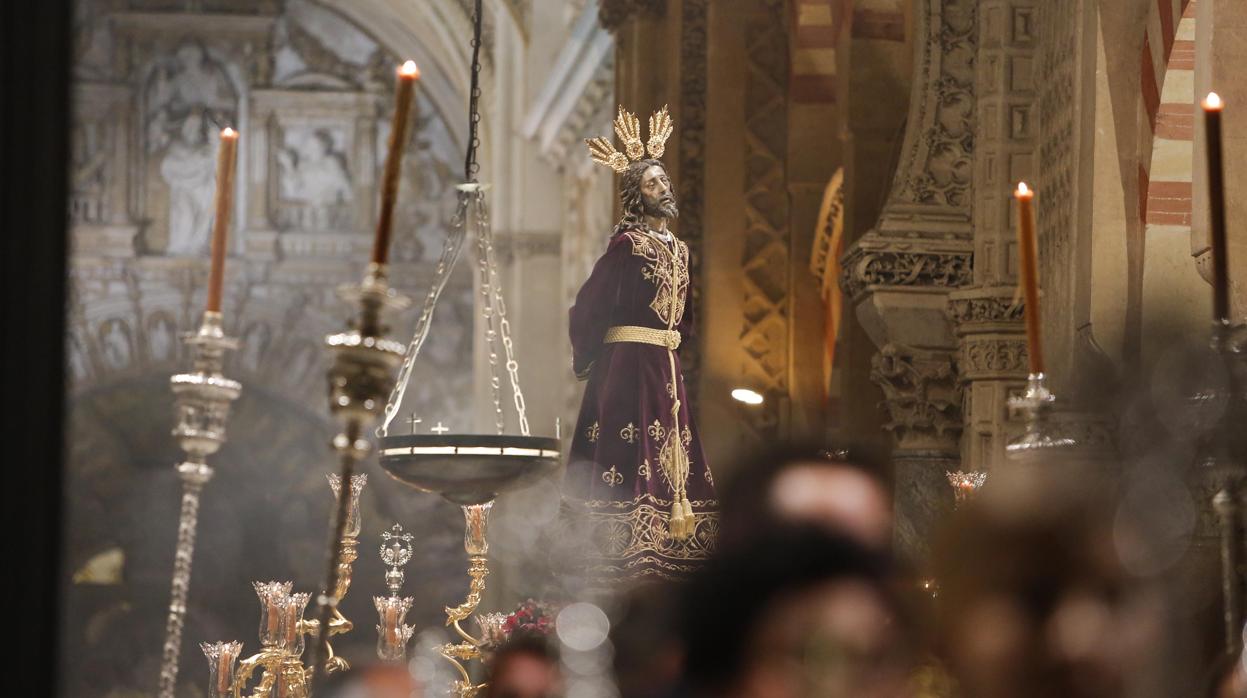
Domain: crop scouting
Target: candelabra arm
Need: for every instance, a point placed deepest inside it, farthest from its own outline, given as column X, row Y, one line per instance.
column 268, row 659
column 202, row 404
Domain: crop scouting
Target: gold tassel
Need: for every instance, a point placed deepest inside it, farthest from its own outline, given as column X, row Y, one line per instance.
column 676, row 525
column 689, row 521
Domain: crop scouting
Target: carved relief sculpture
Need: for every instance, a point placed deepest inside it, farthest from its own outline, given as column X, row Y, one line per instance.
column 188, row 99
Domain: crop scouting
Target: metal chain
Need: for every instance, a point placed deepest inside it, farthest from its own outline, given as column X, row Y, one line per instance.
column 486, row 273
column 493, row 307
column 470, row 165
column 450, row 255
column 486, row 236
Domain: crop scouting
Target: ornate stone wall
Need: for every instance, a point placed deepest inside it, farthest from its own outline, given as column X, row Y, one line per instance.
column 765, row 336
column 308, row 90
column 898, row 275
column 992, row 342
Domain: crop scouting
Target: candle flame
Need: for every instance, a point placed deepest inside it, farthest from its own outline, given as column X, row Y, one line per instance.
column 1212, row 102
column 228, row 132
column 1023, row 190
column 409, row 70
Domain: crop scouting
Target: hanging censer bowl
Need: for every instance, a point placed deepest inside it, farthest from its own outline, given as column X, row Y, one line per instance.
column 469, row 468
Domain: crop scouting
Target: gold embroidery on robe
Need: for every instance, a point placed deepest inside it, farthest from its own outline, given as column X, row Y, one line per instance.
column 629, row 433
column 664, row 264
column 612, row 477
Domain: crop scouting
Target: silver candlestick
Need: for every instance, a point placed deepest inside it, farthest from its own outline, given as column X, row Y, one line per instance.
column 202, row 400
column 362, row 375
column 1221, row 462
column 393, row 633
column 1036, row 407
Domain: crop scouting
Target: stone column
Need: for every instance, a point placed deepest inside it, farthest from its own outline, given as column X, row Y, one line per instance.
column 899, row 274
column 988, row 316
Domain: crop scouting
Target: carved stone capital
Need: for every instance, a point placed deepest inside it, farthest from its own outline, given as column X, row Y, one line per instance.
column 993, row 358
column 879, row 259
column 976, row 310
column 921, row 396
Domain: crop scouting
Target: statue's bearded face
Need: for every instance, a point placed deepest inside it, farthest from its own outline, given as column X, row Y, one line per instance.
column 657, row 197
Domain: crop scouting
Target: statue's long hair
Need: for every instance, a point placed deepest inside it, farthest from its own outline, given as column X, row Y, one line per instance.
column 630, row 197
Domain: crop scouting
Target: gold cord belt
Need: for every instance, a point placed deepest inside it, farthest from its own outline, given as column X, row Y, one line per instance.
column 643, row 335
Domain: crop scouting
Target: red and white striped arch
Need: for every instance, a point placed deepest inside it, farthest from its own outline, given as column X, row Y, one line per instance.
column 1168, row 102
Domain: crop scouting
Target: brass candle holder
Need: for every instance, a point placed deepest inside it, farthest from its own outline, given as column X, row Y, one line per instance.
column 965, row 484
column 202, row 399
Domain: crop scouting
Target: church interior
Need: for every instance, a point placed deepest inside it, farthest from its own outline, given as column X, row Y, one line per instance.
column 949, row 322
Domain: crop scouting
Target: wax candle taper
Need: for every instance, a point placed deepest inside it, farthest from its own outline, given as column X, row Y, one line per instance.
column 408, row 73
column 1027, row 253
column 220, row 226
column 1216, row 208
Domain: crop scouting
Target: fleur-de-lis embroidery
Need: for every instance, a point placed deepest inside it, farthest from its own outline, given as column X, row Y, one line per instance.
column 709, row 478
column 629, row 433
column 612, row 477
column 657, row 431
column 592, row 432
column 686, row 435
column 643, row 470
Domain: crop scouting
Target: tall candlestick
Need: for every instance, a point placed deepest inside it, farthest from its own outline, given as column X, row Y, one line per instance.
column 1029, row 272
column 220, row 225
column 408, row 73
column 1216, row 205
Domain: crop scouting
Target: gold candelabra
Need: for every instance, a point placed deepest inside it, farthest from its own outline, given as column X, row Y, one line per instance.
column 283, row 629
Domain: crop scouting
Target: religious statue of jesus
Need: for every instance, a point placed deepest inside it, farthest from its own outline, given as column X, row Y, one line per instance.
column 636, row 472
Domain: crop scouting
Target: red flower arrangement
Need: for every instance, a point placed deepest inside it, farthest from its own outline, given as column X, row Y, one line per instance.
column 530, row 618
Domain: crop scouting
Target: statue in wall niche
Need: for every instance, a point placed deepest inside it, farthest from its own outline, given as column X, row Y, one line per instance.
column 189, row 99
column 314, row 174
column 89, row 159
column 115, row 343
column 189, row 168
column 636, row 472
column 161, row 337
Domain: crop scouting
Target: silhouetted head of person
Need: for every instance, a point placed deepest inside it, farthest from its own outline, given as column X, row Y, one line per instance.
column 843, row 491
column 525, row 666
column 645, row 637
column 1034, row 598
column 794, row 613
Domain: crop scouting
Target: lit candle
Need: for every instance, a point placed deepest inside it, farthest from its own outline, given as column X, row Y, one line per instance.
column 220, row 225
column 1025, row 196
column 391, row 623
column 224, row 671
column 1216, row 205
column 408, row 73
column 274, row 621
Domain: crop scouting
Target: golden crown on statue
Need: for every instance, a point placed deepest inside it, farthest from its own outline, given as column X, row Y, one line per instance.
column 628, row 128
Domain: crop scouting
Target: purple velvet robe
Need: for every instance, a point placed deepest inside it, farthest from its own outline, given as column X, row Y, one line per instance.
column 615, row 483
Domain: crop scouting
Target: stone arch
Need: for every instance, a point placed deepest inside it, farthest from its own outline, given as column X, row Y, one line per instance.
column 1171, row 287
